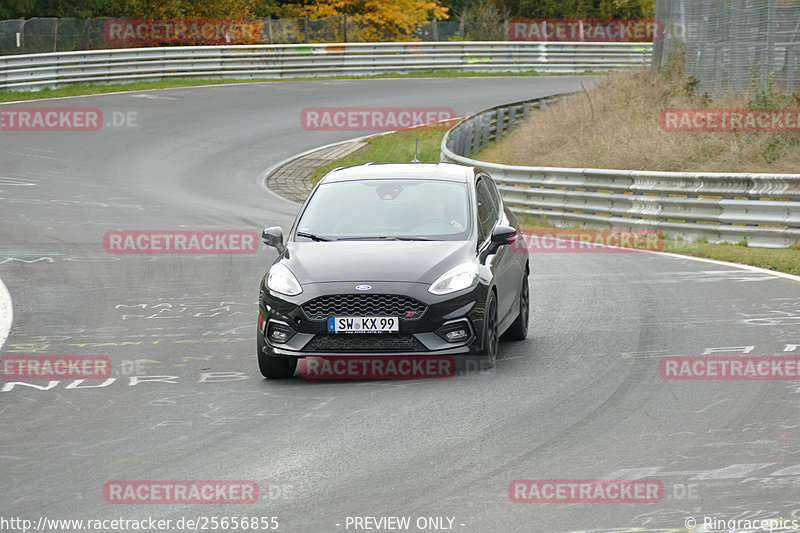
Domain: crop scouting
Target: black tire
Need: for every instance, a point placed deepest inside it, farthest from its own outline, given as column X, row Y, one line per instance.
column 274, row 367
column 518, row 330
column 491, row 340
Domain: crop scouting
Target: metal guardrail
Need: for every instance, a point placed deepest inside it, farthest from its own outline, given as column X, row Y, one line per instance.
column 762, row 209
column 36, row 71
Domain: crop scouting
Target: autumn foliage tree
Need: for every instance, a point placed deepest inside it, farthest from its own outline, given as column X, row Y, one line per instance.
column 181, row 9
column 396, row 17
column 577, row 9
column 373, row 19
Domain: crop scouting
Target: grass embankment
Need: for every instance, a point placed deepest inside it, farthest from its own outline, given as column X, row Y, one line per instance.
column 84, row 89
column 616, row 125
column 398, row 147
column 781, row 260
column 393, row 148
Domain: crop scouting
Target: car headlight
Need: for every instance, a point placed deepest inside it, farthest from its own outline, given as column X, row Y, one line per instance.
column 460, row 277
column 282, row 280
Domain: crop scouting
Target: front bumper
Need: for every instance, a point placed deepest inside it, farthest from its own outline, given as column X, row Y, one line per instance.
column 418, row 335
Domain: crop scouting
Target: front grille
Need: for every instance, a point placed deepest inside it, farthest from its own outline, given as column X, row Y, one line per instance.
column 365, row 342
column 364, row 305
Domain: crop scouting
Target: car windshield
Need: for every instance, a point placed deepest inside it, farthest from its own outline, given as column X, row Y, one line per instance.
column 387, row 209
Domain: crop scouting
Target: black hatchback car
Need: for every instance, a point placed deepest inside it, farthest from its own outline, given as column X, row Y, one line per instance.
column 394, row 259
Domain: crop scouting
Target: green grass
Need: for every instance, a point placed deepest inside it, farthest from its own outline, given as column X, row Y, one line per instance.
column 393, row 148
column 83, row 89
column 781, row 260
column 88, row 89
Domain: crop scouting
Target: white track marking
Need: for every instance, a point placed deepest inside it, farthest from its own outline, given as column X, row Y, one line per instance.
column 692, row 258
column 6, row 313
column 733, row 265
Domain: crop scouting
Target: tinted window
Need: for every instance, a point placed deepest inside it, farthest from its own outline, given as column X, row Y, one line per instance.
column 487, row 210
column 403, row 208
column 495, row 194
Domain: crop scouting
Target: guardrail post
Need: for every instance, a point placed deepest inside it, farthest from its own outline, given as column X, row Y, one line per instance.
column 462, row 140
column 486, row 126
column 22, row 35
column 476, row 138
column 519, row 115
column 87, row 33
column 501, row 124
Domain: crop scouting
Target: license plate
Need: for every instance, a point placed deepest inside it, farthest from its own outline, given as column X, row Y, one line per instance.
column 363, row 324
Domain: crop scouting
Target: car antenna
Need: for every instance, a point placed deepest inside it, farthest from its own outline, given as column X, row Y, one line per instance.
column 416, row 146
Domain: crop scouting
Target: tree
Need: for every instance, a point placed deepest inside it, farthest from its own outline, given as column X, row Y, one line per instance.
column 175, row 9
column 635, row 8
column 17, row 9
column 49, row 8
column 574, row 9
column 457, row 8
column 485, row 21
column 376, row 19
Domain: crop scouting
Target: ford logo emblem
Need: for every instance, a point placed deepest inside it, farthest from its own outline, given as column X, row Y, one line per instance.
column 363, row 287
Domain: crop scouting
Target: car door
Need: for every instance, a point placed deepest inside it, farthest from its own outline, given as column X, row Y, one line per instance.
column 489, row 209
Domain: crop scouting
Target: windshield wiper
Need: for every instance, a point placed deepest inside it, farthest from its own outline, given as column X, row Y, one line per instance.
column 311, row 236
column 382, row 238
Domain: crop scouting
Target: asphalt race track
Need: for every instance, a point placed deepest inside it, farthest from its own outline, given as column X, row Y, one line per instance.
column 582, row 398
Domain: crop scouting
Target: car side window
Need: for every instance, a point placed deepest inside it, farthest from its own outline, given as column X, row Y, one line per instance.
column 495, row 194
column 487, row 210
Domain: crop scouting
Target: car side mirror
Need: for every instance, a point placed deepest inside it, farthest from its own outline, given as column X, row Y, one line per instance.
column 502, row 236
column 273, row 237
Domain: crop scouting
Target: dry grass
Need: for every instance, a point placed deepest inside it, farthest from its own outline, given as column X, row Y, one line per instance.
column 616, row 125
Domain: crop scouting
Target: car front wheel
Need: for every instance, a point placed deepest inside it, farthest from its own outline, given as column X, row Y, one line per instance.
column 490, row 336
column 518, row 329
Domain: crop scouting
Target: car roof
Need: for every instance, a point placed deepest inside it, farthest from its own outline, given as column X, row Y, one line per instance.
column 370, row 171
